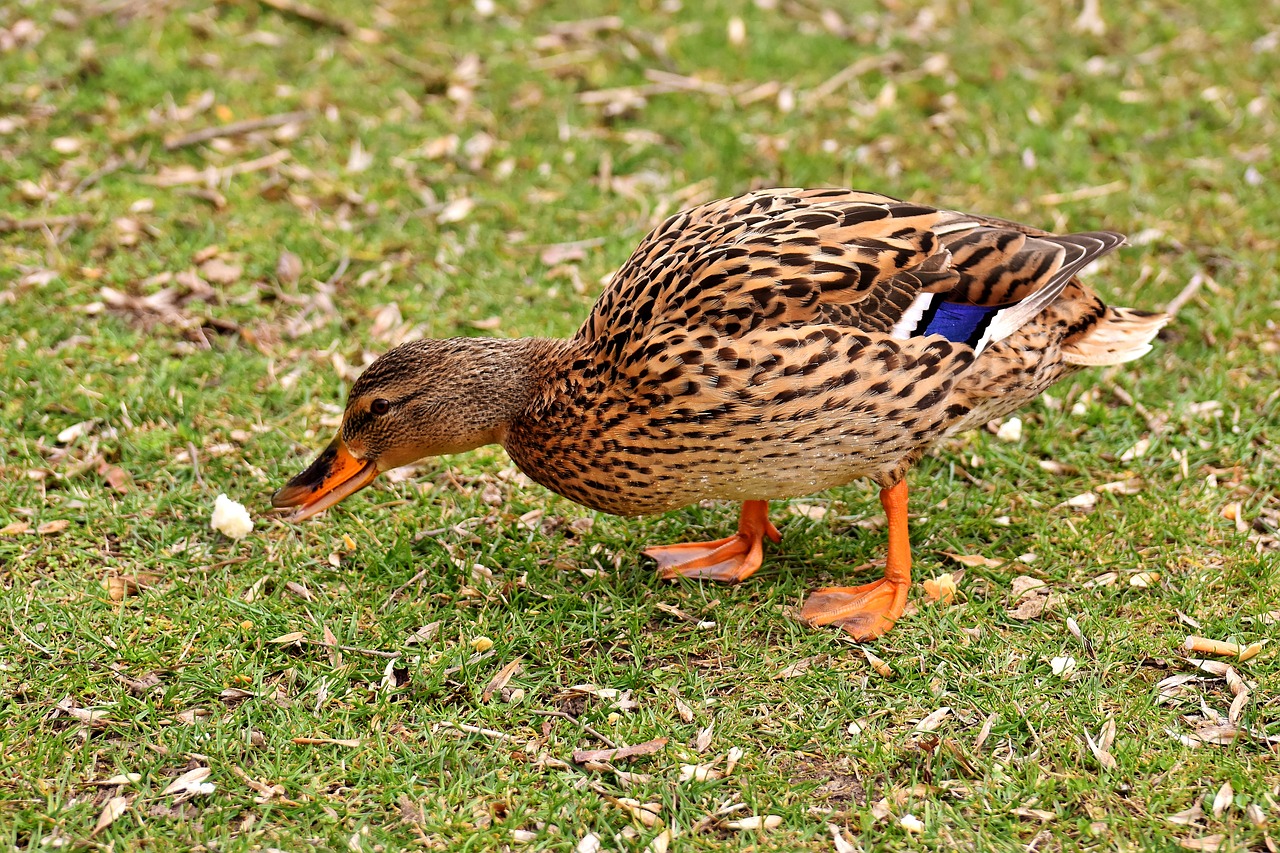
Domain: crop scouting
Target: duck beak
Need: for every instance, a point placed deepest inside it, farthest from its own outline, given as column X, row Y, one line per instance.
column 335, row 475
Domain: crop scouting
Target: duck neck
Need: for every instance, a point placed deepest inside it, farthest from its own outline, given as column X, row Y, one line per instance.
column 518, row 373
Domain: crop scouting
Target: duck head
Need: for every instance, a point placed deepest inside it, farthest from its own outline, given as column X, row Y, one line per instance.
column 423, row 398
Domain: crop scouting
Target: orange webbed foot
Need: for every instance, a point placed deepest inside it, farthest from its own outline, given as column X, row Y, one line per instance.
column 866, row 611
column 732, row 559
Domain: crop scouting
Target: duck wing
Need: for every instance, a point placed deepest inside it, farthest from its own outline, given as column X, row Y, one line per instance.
column 787, row 259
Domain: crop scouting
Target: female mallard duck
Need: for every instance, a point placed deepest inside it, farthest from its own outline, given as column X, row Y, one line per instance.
column 752, row 349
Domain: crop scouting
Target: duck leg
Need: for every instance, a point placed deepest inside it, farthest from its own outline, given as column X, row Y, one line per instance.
column 868, row 611
column 731, row 559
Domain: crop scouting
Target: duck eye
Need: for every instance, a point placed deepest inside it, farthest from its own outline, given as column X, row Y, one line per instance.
column 380, row 406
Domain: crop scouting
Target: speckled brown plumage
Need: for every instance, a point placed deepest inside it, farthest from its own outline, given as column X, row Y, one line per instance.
column 759, row 347
column 743, row 352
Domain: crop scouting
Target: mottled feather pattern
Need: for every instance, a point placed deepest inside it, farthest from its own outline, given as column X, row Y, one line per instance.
column 744, row 351
column 774, row 413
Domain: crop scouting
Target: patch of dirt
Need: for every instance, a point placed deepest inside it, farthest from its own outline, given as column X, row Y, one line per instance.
column 573, row 705
column 839, row 782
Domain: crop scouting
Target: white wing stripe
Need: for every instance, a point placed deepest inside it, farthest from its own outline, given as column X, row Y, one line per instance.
column 910, row 319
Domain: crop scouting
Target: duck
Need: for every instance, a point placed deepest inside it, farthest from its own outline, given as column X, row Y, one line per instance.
column 754, row 349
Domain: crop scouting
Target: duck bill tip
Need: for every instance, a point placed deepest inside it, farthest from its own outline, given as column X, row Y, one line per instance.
column 334, row 476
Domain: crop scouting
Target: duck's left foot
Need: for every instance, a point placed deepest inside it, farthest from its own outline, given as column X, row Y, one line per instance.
column 731, row 559
column 866, row 611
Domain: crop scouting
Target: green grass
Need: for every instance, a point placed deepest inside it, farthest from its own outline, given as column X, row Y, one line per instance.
column 995, row 107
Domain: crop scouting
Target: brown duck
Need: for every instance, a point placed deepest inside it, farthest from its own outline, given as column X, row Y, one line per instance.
column 751, row 349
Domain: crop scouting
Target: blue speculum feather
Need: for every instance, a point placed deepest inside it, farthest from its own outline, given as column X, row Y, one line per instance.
column 958, row 322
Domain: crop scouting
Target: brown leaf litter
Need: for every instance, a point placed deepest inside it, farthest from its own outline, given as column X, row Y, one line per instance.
column 1219, row 648
column 581, row 756
column 882, row 668
column 115, row 807
column 1101, row 748
column 500, row 680
column 1031, row 597
column 326, row 741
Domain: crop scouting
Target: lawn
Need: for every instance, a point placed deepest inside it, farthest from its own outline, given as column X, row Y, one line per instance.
column 212, row 215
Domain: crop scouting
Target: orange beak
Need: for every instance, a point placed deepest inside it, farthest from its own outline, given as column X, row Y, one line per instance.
column 335, row 475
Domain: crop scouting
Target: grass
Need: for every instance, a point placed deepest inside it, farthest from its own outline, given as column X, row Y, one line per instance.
column 1163, row 127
